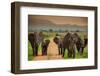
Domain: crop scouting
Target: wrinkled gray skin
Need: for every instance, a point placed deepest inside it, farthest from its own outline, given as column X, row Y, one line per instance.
column 69, row 43
column 35, row 40
column 79, row 44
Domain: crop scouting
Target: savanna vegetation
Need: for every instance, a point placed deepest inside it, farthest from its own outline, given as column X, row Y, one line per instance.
column 50, row 35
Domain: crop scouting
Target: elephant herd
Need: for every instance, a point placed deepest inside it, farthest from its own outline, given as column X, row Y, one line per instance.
column 71, row 42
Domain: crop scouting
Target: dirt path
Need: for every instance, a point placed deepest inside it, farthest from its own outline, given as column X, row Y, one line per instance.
column 52, row 48
column 52, row 52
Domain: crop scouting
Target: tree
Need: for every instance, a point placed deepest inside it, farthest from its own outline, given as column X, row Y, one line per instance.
column 50, row 30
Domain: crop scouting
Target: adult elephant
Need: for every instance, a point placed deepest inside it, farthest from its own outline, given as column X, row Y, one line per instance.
column 69, row 43
column 35, row 40
column 80, row 44
column 58, row 41
column 85, row 42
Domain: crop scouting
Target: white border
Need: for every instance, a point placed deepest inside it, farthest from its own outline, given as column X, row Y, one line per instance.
column 25, row 64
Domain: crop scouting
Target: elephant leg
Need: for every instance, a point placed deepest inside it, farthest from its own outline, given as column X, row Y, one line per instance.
column 63, row 52
column 59, row 50
column 69, row 54
column 78, row 49
column 33, row 46
column 33, row 51
column 74, row 53
column 36, row 50
column 43, row 49
column 44, row 53
column 82, row 50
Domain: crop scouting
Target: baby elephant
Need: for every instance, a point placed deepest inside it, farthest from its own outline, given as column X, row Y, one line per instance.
column 45, row 46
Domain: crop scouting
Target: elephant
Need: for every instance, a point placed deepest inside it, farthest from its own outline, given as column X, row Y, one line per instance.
column 69, row 43
column 85, row 44
column 85, row 41
column 45, row 46
column 58, row 41
column 80, row 44
column 35, row 40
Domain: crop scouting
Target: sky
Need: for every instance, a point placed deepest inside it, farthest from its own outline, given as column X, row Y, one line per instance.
column 81, row 21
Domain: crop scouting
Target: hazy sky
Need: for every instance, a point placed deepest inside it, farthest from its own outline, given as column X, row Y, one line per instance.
column 82, row 21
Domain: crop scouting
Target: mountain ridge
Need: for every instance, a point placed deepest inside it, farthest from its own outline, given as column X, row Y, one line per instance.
column 39, row 24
